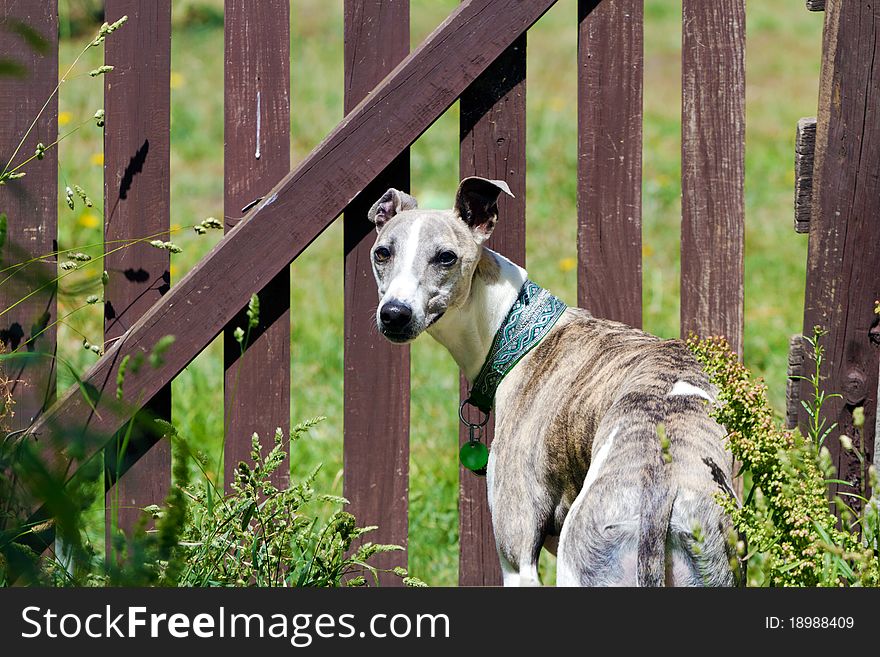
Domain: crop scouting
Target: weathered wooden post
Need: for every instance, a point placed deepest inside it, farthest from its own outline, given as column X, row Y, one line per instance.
column 256, row 108
column 713, row 171
column 30, row 203
column 137, row 204
column 844, row 250
column 492, row 145
column 610, row 87
column 376, row 442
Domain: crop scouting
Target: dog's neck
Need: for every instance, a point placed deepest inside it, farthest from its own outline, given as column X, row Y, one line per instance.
column 468, row 330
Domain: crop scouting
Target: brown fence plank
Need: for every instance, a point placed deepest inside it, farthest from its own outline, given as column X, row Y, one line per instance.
column 805, row 146
column 610, row 83
column 137, row 178
column 300, row 206
column 376, row 445
column 493, row 145
column 844, row 250
column 796, row 369
column 30, row 203
column 712, row 167
column 256, row 153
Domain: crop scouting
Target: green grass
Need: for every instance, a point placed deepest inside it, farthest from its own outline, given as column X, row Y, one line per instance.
column 782, row 83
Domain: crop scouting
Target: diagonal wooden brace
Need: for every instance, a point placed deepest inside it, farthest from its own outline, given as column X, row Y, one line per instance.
column 290, row 217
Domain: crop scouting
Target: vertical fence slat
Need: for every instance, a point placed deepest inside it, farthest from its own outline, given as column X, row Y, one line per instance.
column 610, row 83
column 842, row 281
column 256, row 154
column 137, row 101
column 796, row 369
column 805, row 148
column 30, row 203
column 376, row 415
column 493, row 145
column 713, row 169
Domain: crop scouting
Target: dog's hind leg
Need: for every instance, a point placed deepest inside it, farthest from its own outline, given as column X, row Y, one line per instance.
column 596, row 546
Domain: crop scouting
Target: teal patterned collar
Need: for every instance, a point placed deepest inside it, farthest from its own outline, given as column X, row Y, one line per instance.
column 531, row 317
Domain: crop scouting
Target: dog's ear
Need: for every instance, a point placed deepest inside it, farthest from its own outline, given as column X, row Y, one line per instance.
column 476, row 202
column 392, row 202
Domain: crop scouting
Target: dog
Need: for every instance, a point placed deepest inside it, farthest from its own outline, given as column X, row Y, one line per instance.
column 603, row 435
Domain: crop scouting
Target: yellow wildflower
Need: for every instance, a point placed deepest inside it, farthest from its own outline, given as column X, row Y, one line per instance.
column 88, row 220
column 567, row 264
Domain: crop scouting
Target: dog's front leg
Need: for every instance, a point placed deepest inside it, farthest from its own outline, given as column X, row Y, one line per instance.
column 509, row 572
column 518, row 523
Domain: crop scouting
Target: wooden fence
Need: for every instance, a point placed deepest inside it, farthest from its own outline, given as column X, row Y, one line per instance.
column 477, row 55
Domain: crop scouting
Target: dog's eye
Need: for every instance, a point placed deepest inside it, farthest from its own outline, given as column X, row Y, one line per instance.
column 446, row 258
column 381, row 254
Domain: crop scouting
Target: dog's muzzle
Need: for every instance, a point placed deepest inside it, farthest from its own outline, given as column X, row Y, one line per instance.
column 395, row 319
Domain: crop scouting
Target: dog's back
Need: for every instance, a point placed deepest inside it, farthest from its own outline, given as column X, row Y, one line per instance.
column 633, row 428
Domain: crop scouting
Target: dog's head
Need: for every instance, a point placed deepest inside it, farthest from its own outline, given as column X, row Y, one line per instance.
column 424, row 260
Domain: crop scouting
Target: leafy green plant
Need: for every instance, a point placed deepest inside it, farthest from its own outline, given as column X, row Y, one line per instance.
column 63, row 500
column 265, row 536
column 257, row 535
column 793, row 537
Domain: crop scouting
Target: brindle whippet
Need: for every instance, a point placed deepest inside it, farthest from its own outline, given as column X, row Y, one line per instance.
column 576, row 453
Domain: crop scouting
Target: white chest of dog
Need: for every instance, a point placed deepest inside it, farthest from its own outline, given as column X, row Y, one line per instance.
column 603, row 436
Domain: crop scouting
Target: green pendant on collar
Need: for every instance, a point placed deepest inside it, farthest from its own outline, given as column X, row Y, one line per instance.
column 531, row 317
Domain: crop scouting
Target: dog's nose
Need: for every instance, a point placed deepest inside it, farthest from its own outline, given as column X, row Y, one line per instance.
column 395, row 315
